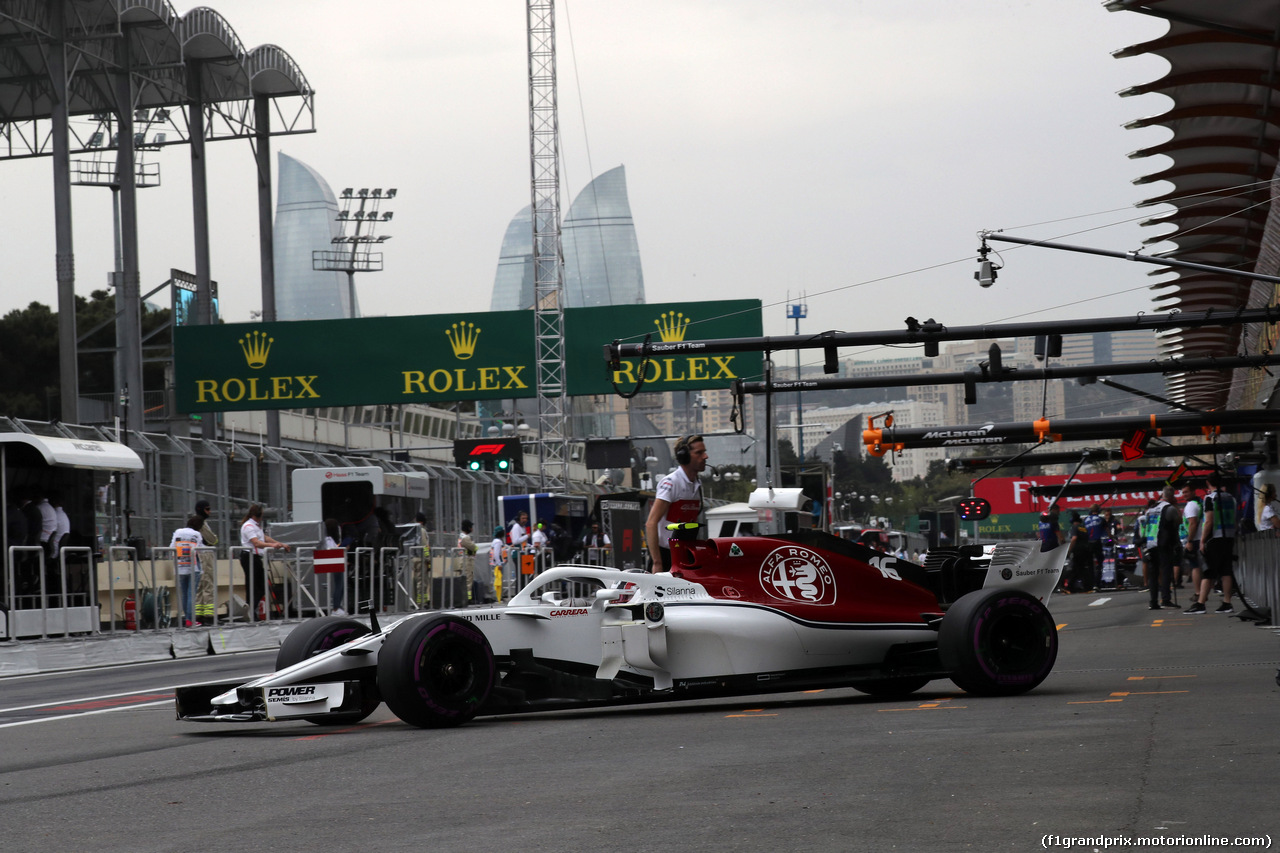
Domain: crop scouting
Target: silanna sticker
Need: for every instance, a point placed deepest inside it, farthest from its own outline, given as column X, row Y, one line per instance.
column 798, row 574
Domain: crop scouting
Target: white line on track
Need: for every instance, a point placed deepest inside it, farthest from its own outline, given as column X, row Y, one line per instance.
column 84, row 699
column 1099, row 601
column 85, row 713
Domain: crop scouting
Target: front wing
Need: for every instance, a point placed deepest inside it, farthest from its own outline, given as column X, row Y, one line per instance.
column 269, row 703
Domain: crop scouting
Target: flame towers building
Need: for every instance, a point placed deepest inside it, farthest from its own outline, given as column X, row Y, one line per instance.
column 306, row 220
column 601, row 255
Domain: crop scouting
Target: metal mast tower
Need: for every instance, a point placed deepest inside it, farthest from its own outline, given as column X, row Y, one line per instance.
column 548, row 259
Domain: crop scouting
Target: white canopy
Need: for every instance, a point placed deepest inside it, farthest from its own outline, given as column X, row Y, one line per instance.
column 788, row 500
column 78, row 452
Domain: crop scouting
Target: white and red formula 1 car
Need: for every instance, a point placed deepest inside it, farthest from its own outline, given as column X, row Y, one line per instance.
column 735, row 616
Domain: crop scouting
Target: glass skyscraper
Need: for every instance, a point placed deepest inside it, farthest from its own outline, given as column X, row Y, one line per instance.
column 306, row 221
column 601, row 255
column 513, row 284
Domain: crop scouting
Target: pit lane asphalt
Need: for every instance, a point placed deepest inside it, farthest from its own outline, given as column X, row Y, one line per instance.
column 1152, row 724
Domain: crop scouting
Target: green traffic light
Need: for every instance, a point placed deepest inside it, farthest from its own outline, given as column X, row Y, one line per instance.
column 504, row 464
column 474, row 465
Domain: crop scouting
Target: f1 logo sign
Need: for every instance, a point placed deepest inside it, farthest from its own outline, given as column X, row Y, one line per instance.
column 887, row 571
column 487, row 450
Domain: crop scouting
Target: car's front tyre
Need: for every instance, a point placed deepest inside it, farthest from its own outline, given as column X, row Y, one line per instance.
column 436, row 671
column 320, row 635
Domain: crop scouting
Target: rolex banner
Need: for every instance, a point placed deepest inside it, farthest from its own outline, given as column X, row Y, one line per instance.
column 446, row 357
column 587, row 330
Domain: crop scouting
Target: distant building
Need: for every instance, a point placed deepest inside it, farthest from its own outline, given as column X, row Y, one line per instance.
column 306, row 221
column 1109, row 347
column 601, row 254
column 906, row 465
column 513, row 283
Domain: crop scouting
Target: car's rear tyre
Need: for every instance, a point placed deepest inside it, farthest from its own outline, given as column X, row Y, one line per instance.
column 436, row 671
column 891, row 688
column 998, row 642
column 319, row 635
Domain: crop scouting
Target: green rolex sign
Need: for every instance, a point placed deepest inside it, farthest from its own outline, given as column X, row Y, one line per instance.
column 444, row 357
column 587, row 330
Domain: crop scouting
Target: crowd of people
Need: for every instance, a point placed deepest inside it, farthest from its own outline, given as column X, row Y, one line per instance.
column 512, row 548
column 524, row 548
column 1183, row 540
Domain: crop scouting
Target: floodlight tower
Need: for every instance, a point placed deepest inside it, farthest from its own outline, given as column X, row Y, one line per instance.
column 356, row 254
column 107, row 167
column 548, row 258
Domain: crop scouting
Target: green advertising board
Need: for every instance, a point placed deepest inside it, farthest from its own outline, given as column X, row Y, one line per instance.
column 1005, row 526
column 443, row 357
column 587, row 330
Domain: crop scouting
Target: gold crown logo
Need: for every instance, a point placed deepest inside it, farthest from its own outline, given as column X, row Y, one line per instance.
column 671, row 326
column 256, row 347
column 462, row 337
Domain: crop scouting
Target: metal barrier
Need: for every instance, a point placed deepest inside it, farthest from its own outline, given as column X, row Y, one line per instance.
column 308, row 595
column 139, row 597
column 451, row 589
column 159, row 610
column 407, row 594
column 11, row 591
column 45, row 605
column 522, row 567
column 112, row 577
column 11, row 627
column 390, row 566
column 237, row 554
column 362, row 577
column 212, row 570
column 1258, row 569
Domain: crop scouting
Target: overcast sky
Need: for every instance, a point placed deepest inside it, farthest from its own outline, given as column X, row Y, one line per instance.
column 846, row 148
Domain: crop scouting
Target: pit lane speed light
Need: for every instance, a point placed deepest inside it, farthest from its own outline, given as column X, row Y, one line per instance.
column 488, row 454
column 973, row 509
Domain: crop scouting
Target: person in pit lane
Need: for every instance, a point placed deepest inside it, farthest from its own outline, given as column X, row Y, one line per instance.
column 679, row 500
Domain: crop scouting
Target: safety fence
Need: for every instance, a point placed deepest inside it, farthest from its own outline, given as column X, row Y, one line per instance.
column 520, row 566
column 1258, row 569
column 129, row 590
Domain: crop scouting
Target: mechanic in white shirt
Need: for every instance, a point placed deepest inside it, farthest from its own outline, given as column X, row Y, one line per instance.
column 1270, row 509
column 538, row 542
column 1192, row 512
column 63, row 524
column 679, row 500
column 254, row 540
column 539, row 537
column 520, row 531
column 518, row 537
column 48, row 524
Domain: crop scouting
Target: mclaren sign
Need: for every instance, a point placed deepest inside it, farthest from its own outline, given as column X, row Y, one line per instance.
column 447, row 357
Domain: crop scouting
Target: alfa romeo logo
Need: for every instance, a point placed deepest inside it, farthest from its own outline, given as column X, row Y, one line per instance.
column 798, row 574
